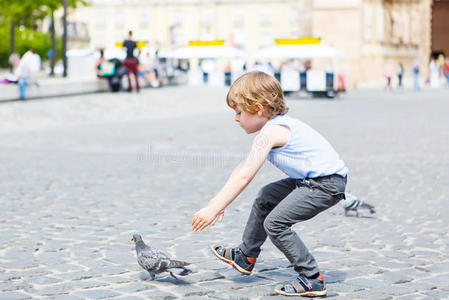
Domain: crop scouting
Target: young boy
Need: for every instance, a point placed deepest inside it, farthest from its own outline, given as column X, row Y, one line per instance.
column 317, row 180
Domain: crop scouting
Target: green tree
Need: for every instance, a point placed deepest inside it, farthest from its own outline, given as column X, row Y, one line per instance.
column 24, row 12
column 50, row 6
column 27, row 13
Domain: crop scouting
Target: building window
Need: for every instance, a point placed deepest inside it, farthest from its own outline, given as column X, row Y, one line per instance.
column 177, row 17
column 380, row 25
column 294, row 15
column 100, row 20
column 207, row 17
column 100, row 42
column 265, row 40
column 119, row 19
column 206, row 35
column 144, row 19
column 367, row 22
column 265, row 17
column 239, row 18
column 239, row 40
column 294, row 34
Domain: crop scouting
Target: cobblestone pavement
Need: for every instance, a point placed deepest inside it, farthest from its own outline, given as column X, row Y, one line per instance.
column 80, row 175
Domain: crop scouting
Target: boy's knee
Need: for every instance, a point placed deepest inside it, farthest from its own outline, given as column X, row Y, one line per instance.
column 272, row 226
column 263, row 199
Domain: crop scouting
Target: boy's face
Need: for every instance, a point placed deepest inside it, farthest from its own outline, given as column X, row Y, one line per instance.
column 249, row 122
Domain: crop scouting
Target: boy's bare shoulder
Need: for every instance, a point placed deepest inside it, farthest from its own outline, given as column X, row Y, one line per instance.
column 278, row 135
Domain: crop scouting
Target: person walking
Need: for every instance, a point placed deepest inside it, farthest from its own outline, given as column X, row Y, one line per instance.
column 400, row 76
column 415, row 71
column 446, row 71
column 434, row 73
column 389, row 73
column 131, row 63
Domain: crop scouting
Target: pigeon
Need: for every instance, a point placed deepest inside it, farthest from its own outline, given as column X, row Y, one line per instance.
column 352, row 203
column 155, row 261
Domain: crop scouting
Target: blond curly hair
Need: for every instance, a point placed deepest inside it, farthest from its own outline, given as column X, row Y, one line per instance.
column 257, row 87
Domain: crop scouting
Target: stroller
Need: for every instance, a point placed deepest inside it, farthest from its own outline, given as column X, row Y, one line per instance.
column 115, row 81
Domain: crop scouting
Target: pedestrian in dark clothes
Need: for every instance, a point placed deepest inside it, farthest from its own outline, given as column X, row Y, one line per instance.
column 131, row 63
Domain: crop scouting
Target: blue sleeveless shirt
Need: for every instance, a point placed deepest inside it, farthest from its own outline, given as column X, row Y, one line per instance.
column 307, row 153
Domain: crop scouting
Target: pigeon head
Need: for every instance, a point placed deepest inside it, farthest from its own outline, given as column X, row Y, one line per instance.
column 136, row 238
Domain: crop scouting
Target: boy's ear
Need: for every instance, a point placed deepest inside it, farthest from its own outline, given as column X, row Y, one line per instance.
column 260, row 109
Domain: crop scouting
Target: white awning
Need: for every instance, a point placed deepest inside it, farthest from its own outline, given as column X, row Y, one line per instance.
column 204, row 52
column 298, row 51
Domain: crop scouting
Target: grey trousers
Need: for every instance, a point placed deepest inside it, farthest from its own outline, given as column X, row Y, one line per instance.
column 284, row 203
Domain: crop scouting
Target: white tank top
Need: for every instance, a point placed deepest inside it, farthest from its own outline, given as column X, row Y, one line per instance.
column 307, row 153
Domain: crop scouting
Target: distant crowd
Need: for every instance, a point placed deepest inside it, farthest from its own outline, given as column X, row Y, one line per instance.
column 136, row 65
column 438, row 68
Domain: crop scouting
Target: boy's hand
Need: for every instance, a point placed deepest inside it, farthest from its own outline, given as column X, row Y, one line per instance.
column 205, row 217
column 218, row 218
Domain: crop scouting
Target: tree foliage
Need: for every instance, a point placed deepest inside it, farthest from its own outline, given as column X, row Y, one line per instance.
column 27, row 38
column 26, row 14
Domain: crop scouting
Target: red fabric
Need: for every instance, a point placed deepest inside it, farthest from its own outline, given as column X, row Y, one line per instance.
column 131, row 67
column 252, row 260
column 446, row 68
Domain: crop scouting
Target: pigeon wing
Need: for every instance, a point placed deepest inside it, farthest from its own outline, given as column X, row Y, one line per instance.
column 148, row 262
column 177, row 264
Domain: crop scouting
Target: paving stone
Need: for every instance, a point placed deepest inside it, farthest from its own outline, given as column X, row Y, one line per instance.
column 115, row 279
column 205, row 297
column 129, row 298
column 134, row 287
column 64, row 297
column 203, row 276
column 44, row 280
column 64, row 288
column 14, row 296
column 437, row 294
column 159, row 295
column 370, row 294
column 97, row 293
column 343, row 287
column 415, row 296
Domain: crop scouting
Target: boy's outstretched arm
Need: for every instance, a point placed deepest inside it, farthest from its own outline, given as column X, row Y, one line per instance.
column 269, row 137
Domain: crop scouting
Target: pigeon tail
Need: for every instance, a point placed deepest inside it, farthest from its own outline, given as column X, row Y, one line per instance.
column 368, row 206
column 185, row 271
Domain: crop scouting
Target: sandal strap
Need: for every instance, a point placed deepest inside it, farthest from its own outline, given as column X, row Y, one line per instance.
column 298, row 285
column 305, row 284
column 229, row 253
column 289, row 288
column 299, row 288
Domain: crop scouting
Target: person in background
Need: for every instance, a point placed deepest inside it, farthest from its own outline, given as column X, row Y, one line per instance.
column 400, row 75
column 388, row 72
column 415, row 71
column 446, row 71
column 434, row 73
column 440, row 63
column 104, row 68
column 131, row 63
column 22, row 69
column 149, row 70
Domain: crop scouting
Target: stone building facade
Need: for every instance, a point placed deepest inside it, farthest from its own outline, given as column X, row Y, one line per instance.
column 371, row 32
column 374, row 33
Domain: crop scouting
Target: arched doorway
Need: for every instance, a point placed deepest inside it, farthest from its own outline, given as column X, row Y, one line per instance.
column 440, row 27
